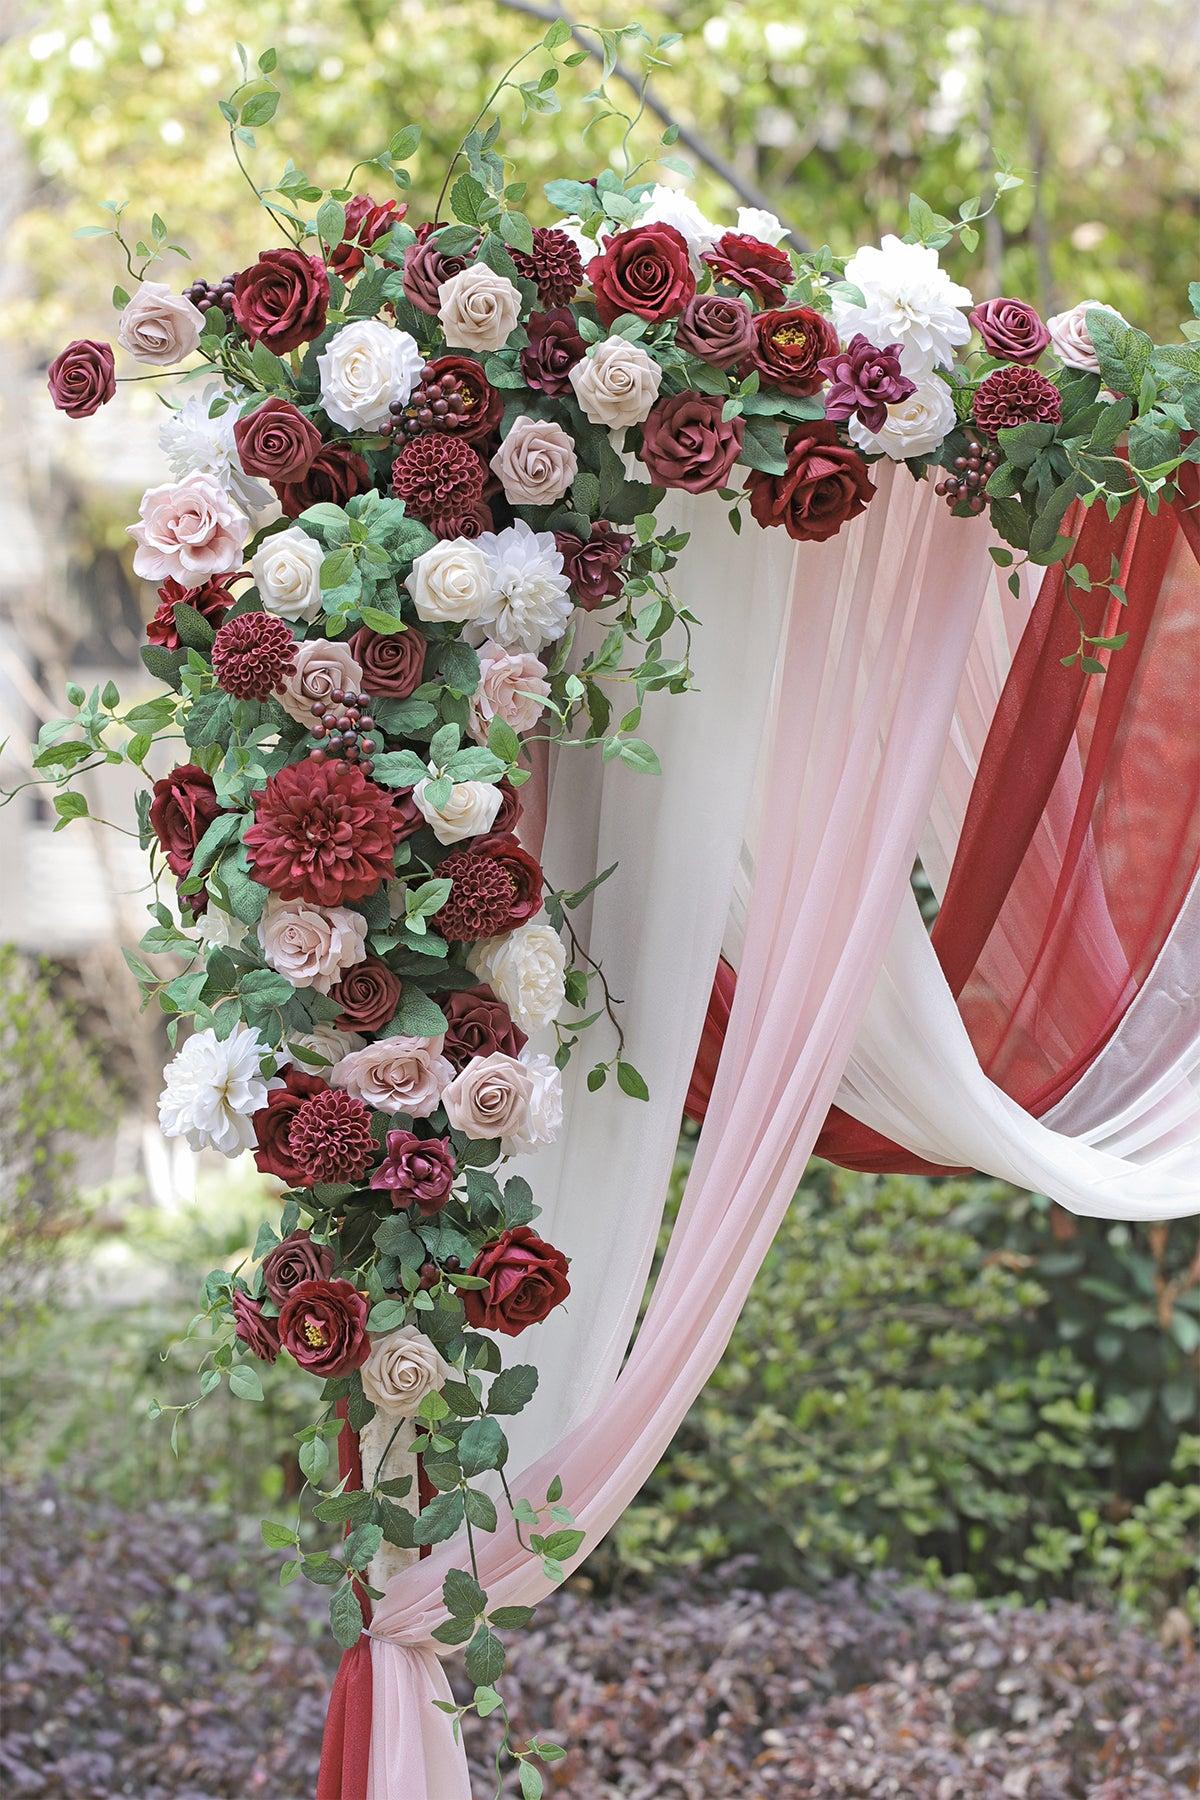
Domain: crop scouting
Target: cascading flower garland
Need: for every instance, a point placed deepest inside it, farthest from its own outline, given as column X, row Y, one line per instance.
column 419, row 451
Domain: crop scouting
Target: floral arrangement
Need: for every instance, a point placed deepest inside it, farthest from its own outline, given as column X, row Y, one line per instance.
column 409, row 454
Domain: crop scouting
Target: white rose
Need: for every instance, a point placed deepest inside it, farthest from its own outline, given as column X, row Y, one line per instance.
column 312, row 945
column 755, row 221
column 1070, row 338
column 914, row 426
column 507, row 688
column 329, row 1045
column 453, row 583
column 616, row 383
column 478, row 309
column 544, row 1115
column 402, row 1368
column 469, row 812
column 287, row 573
column 159, row 326
column 525, row 969
column 364, row 368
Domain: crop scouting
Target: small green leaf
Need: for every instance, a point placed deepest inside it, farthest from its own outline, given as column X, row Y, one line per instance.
column 244, row 1382
column 345, row 1617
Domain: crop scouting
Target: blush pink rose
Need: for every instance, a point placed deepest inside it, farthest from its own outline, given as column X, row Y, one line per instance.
column 188, row 530
column 505, row 681
column 322, row 667
column 397, row 1074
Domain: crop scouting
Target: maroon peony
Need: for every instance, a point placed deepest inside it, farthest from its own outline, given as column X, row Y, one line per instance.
column 257, row 1331
column 526, row 1279
column 554, row 265
column 864, row 382
column 554, row 348
column 438, row 477
column 335, row 474
column 426, row 268
column 252, row 654
column 789, row 345
column 1015, row 396
column 477, row 1024
column 294, row 1260
column 393, row 663
column 212, row 602
column 368, row 995
column 687, row 444
column 746, row 262
column 593, row 569
column 645, row 271
column 510, row 811
column 323, row 1324
column 416, row 1171
column 273, row 1125
column 824, row 485
column 82, row 378
column 322, row 832
column 276, row 441
column 718, row 328
column 1010, row 328
column 282, row 299
column 330, row 1137
column 183, row 806
column 367, row 220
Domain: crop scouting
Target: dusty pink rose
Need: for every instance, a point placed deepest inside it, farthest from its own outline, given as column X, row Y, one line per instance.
column 82, row 378
column 322, row 667
column 479, row 309
column 505, row 682
column 536, row 462
column 312, row 945
column 398, row 1074
column 490, row 1098
column 158, row 326
column 188, row 530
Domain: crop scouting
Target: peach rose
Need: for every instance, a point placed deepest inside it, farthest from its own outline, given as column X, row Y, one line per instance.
column 402, row 1368
column 311, row 945
column 616, row 384
column 188, row 530
column 158, row 326
column 506, row 680
column 321, row 668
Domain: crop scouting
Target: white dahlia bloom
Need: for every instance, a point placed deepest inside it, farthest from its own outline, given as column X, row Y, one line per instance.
column 913, row 427
column 670, row 206
column 544, row 1113
column 212, row 1088
column 364, row 367
column 909, row 300
column 532, row 599
column 756, row 222
column 196, row 444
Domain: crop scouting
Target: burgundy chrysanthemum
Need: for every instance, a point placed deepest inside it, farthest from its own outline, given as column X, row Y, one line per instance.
column 481, row 898
column 1016, row 396
column 554, row 265
column 322, row 832
column 251, row 655
column 438, row 476
column 330, row 1137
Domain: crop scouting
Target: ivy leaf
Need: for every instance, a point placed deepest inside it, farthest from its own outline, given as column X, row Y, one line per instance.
column 763, row 446
column 244, row 1382
column 482, row 1446
column 513, row 1389
column 462, row 1595
column 440, row 1519
column 417, row 1015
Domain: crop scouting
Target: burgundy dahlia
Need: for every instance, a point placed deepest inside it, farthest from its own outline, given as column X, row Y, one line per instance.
column 330, row 1138
column 438, row 477
column 273, row 1125
column 252, row 654
column 554, row 265
column 481, row 898
column 426, row 268
column 864, row 382
column 416, row 1171
column 747, row 263
column 322, row 832
column 554, row 348
column 477, row 1024
column 1011, row 329
column 1015, row 396
column 212, row 602
column 335, row 474
column 366, row 221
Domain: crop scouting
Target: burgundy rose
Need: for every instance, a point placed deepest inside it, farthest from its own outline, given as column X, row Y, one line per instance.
column 322, row 832
column 426, row 268
column 477, row 1024
column 282, row 299
column 294, row 1260
column 718, row 328
column 393, row 663
column 554, row 348
column 472, row 522
column 747, row 263
column 454, row 395
column 183, row 807
column 82, row 378
column 864, row 382
column 506, row 819
column 1015, row 396
column 687, row 444
column 1010, row 328
column 273, row 1124
column 368, row 994
column 212, row 602
column 406, row 814
column 526, row 1279
column 645, row 271
column 257, row 1331
column 324, row 1326
column 593, row 569
column 789, row 344
column 367, row 220
column 825, row 484
column 335, row 474
column 276, row 441
column 416, row 1171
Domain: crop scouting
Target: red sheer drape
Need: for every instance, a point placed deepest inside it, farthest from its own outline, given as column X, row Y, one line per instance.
column 346, row 1746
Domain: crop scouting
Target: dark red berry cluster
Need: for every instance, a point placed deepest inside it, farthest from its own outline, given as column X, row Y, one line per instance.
column 969, row 475
column 437, row 403
column 343, row 728
column 205, row 294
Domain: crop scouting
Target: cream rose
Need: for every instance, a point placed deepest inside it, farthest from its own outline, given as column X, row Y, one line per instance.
column 478, row 308
column 545, row 1112
column 508, row 686
column 536, row 463
column 490, row 1098
column 402, row 1368
column 189, row 530
column 398, row 1074
column 453, row 583
column 616, row 383
column 158, row 326
column 287, row 573
column 330, row 1045
column 311, row 945
column 1070, row 338
column 525, row 969
column 469, row 812
column 364, row 367
column 913, row 427
column 321, row 667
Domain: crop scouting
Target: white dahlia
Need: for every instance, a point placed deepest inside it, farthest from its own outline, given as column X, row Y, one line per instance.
column 909, row 300
column 532, row 600
column 669, row 206
column 544, row 1116
column 212, row 1088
